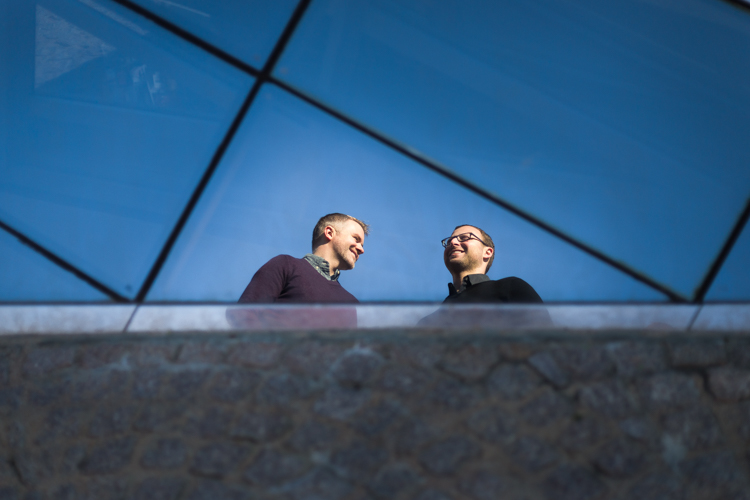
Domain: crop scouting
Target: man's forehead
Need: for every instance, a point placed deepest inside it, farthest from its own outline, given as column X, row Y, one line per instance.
column 464, row 229
column 352, row 227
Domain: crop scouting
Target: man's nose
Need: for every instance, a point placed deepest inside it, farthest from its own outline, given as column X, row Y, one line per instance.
column 360, row 249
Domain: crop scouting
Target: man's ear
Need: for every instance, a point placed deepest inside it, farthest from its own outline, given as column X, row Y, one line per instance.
column 488, row 251
column 328, row 232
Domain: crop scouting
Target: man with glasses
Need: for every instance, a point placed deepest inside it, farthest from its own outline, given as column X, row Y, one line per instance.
column 337, row 243
column 468, row 255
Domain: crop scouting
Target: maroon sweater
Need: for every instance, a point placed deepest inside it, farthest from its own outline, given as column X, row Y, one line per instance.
column 286, row 279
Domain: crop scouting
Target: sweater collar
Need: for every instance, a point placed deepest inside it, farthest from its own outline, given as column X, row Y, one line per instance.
column 322, row 266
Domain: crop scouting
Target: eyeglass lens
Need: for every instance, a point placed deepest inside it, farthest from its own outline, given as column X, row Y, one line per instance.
column 460, row 237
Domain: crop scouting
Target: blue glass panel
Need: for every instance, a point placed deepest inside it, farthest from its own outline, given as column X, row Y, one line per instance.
column 110, row 123
column 733, row 280
column 620, row 122
column 28, row 276
column 290, row 164
column 247, row 29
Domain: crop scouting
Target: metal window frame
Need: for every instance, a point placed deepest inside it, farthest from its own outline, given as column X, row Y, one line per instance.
column 263, row 76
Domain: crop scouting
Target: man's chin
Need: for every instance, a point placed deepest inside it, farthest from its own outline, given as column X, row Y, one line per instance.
column 455, row 266
column 454, row 261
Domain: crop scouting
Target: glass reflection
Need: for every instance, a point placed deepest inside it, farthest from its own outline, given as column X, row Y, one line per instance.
column 395, row 317
column 28, row 276
column 62, row 47
column 618, row 122
column 109, row 123
column 290, row 163
column 246, row 29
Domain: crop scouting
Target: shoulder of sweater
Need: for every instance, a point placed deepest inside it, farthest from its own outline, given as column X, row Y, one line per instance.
column 287, row 263
column 510, row 281
column 520, row 289
column 283, row 258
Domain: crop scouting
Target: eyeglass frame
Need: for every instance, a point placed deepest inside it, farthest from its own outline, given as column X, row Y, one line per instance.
column 446, row 241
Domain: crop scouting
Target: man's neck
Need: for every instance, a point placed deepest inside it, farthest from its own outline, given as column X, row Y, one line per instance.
column 329, row 256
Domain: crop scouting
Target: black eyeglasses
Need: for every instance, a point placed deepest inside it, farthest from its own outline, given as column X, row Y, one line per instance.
column 461, row 238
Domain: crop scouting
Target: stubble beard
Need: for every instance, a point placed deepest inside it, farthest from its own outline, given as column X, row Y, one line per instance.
column 346, row 259
column 464, row 263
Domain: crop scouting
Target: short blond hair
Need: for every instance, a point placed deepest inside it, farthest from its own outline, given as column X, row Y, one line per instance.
column 335, row 220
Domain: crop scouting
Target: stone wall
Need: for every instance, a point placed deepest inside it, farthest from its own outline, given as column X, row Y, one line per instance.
column 376, row 415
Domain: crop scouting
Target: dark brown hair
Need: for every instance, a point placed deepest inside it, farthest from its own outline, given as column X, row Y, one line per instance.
column 334, row 220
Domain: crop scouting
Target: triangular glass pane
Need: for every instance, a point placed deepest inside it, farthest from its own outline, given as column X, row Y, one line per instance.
column 28, row 276
column 620, row 123
column 108, row 123
column 290, row 164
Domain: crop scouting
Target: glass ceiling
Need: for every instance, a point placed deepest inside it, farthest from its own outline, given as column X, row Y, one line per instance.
column 163, row 151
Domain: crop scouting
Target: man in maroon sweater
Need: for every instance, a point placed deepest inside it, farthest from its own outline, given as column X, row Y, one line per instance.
column 337, row 243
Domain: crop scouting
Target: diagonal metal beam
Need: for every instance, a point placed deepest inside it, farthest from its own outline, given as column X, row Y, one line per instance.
column 265, row 75
column 261, row 78
column 445, row 172
column 743, row 5
column 713, row 271
column 63, row 263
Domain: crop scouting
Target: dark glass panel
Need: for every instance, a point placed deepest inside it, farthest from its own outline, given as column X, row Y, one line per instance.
column 28, row 276
column 733, row 280
column 109, row 123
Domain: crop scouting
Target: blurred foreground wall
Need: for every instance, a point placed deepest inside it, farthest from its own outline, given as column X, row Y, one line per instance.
column 422, row 415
